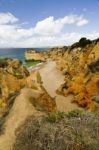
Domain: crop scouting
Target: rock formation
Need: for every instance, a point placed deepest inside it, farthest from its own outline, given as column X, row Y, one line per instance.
column 80, row 65
column 14, row 76
column 24, row 103
column 21, row 95
column 33, row 55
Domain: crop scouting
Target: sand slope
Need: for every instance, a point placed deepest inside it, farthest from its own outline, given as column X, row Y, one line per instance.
column 22, row 108
column 52, row 78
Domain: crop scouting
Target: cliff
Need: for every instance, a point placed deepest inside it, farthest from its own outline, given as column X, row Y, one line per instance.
column 29, row 117
column 14, row 77
column 80, row 65
column 33, row 55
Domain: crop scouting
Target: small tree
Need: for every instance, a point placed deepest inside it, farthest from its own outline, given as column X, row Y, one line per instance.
column 83, row 42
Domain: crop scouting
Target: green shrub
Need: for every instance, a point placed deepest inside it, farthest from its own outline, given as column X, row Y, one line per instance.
column 83, row 42
column 75, row 113
column 94, row 66
column 95, row 99
column 54, row 117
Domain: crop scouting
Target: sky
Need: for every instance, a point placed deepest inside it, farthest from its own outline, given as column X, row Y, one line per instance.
column 44, row 23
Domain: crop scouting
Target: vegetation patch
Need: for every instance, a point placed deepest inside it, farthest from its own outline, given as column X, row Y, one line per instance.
column 75, row 113
column 83, row 42
column 74, row 133
column 55, row 116
column 30, row 63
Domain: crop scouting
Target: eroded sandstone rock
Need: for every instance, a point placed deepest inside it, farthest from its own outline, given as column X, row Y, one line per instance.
column 34, row 55
column 80, row 66
column 14, row 76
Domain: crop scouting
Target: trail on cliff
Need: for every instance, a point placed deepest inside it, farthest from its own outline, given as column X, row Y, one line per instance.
column 22, row 108
column 52, row 78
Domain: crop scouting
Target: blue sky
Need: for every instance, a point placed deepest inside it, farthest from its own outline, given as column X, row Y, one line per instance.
column 38, row 23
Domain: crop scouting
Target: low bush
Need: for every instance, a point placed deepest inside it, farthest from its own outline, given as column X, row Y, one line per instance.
column 75, row 113
column 96, row 99
column 83, row 42
column 94, row 66
column 54, row 117
column 72, row 133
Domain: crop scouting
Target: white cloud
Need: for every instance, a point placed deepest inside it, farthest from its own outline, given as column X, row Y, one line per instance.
column 82, row 22
column 44, row 41
column 47, row 32
column 52, row 26
column 6, row 18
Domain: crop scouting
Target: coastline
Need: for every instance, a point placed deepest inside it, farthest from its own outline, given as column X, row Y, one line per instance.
column 35, row 67
column 52, row 78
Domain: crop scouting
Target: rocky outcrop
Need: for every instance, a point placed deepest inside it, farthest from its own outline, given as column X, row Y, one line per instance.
column 14, row 67
column 14, row 76
column 21, row 95
column 80, row 65
column 34, row 55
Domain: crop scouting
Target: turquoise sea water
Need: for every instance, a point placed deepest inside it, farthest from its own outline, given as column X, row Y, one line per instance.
column 15, row 53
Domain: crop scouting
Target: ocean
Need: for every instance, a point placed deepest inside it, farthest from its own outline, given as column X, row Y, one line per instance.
column 15, row 53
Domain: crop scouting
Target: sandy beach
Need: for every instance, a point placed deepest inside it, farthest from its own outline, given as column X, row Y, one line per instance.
column 52, row 78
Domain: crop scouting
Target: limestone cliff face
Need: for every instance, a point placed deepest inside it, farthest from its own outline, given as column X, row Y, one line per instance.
column 80, row 65
column 14, row 76
column 33, row 55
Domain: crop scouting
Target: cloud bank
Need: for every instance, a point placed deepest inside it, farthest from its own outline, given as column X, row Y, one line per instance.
column 47, row 32
column 7, row 18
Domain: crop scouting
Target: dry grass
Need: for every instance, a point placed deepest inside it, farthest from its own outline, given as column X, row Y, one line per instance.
column 68, row 133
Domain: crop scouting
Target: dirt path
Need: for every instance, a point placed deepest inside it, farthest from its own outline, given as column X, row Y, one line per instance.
column 21, row 109
column 52, row 78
